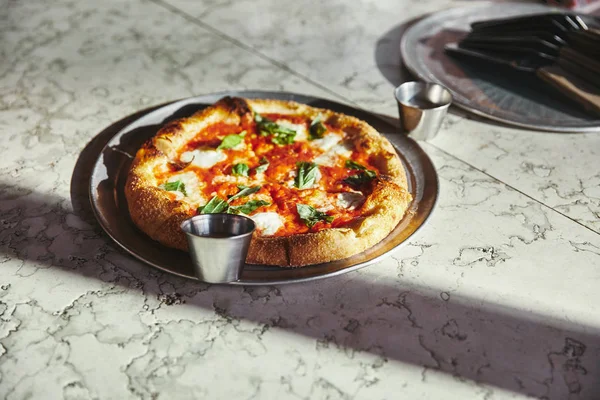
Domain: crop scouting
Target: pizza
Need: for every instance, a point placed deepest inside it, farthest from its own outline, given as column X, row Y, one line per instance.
column 319, row 185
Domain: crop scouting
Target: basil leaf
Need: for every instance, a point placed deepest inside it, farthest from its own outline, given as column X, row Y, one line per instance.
column 370, row 174
column 214, row 206
column 280, row 134
column 317, row 129
column 264, row 164
column 310, row 216
column 265, row 125
column 248, row 207
column 231, row 141
column 354, row 165
column 218, row 205
column 240, row 169
column 244, row 191
column 259, row 119
column 174, row 187
column 356, row 180
column 364, row 175
column 284, row 137
column 306, row 174
column 360, row 178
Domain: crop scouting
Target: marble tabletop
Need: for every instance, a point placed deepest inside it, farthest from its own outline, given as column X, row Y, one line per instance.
column 496, row 298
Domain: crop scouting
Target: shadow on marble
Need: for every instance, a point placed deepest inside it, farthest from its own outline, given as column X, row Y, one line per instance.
column 349, row 315
column 389, row 60
column 465, row 338
column 387, row 53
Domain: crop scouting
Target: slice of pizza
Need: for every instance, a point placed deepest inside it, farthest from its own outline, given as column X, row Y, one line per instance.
column 319, row 185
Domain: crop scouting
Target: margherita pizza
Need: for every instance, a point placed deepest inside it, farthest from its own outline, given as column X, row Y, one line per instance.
column 319, row 185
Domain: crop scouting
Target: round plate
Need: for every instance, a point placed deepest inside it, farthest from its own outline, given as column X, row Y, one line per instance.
column 110, row 207
column 502, row 94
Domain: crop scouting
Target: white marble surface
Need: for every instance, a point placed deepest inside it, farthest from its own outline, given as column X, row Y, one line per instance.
column 495, row 299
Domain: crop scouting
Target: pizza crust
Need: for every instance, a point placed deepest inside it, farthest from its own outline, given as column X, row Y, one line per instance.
column 159, row 216
column 383, row 209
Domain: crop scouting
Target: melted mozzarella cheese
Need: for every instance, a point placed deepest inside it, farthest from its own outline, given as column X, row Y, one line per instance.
column 334, row 154
column 203, row 158
column 192, row 187
column 291, row 183
column 350, row 200
column 261, row 196
column 318, row 199
column 267, row 222
column 318, row 177
column 258, row 179
column 238, row 179
column 327, row 141
column 334, row 149
column 301, row 131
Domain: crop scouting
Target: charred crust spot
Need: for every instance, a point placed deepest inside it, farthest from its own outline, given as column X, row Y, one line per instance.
column 148, row 146
column 235, row 105
column 170, row 129
column 365, row 145
column 333, row 120
column 354, row 132
column 178, row 166
column 151, row 151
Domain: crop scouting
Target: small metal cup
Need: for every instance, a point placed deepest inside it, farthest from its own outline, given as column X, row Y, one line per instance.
column 218, row 245
column 422, row 107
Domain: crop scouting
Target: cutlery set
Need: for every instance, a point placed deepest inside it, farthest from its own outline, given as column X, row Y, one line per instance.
column 560, row 49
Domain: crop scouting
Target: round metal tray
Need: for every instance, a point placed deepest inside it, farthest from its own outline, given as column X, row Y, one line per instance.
column 501, row 94
column 110, row 208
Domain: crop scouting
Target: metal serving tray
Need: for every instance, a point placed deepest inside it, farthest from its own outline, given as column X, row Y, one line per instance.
column 483, row 89
column 108, row 177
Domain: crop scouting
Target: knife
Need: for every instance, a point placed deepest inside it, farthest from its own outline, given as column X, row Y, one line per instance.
column 544, row 67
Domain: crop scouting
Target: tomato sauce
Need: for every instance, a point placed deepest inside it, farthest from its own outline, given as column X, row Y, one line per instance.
column 277, row 182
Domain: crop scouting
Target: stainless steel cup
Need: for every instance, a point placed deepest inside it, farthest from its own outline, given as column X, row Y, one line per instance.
column 422, row 107
column 218, row 245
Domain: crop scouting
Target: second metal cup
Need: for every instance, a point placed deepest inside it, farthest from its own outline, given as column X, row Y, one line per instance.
column 218, row 245
column 422, row 107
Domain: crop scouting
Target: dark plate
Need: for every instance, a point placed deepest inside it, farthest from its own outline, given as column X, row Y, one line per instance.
column 110, row 207
column 502, row 94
